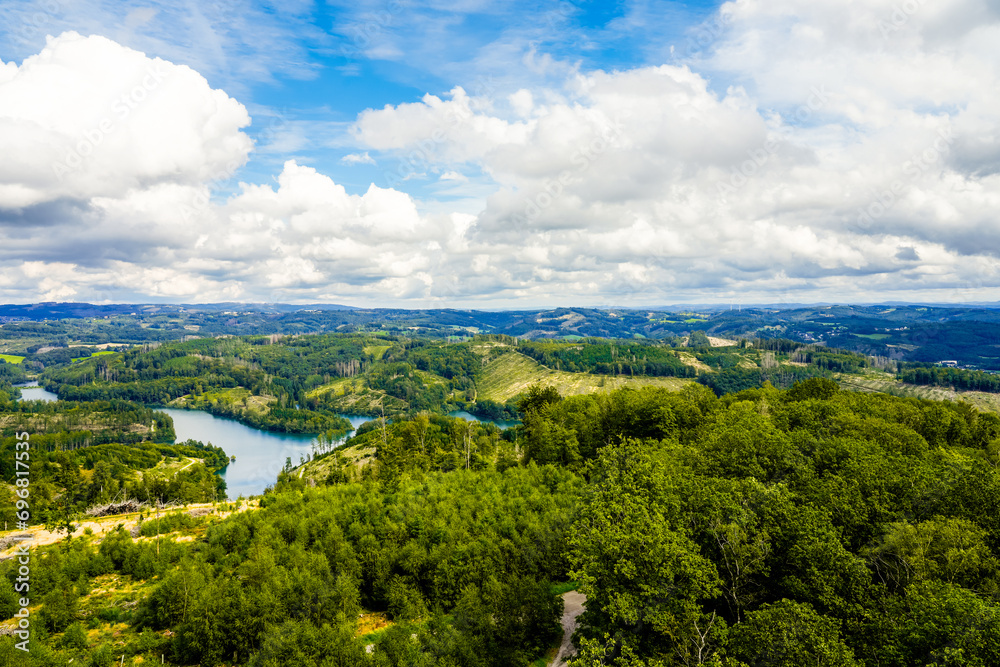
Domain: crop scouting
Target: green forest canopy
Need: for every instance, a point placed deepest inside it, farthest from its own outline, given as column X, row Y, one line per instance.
column 765, row 527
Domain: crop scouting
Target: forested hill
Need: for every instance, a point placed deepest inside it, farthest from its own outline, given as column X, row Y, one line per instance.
column 302, row 383
column 91, row 453
column 808, row 526
column 912, row 333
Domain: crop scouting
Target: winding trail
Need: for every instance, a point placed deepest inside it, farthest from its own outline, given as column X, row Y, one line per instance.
column 573, row 605
column 41, row 537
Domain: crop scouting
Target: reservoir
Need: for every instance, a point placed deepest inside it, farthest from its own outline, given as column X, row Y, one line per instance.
column 260, row 455
column 32, row 392
column 468, row 416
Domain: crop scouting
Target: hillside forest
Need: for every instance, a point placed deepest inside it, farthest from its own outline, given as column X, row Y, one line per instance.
column 732, row 505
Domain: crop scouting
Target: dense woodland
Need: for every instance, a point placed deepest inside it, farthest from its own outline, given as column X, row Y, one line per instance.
column 764, row 527
column 88, row 453
column 609, row 358
column 279, row 373
column 65, row 482
column 10, row 374
column 955, row 378
column 84, row 423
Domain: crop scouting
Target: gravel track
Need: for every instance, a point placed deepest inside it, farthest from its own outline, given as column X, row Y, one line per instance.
column 573, row 604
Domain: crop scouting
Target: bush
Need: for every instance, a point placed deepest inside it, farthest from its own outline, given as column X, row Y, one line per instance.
column 75, row 638
column 59, row 607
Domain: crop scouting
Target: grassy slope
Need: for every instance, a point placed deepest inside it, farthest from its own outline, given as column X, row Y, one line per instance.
column 377, row 351
column 235, row 396
column 318, row 470
column 690, row 360
column 95, row 354
column 337, row 386
column 351, row 396
column 430, row 378
column 887, row 383
column 511, row 374
column 11, row 359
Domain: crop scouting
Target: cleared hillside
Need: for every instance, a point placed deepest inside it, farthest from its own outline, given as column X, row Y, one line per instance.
column 886, row 383
column 511, row 374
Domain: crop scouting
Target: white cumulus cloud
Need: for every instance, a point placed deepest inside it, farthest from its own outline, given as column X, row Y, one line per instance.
column 87, row 117
column 816, row 150
column 357, row 158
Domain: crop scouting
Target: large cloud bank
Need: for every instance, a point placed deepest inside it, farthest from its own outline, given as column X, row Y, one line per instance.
column 817, row 150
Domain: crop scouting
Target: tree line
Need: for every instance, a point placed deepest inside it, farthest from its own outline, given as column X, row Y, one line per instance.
column 958, row 378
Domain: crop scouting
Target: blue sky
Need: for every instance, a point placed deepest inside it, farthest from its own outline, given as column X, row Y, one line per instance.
column 499, row 154
column 318, row 65
column 347, row 74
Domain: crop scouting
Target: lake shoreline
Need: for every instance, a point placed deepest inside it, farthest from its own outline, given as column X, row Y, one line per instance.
column 260, row 454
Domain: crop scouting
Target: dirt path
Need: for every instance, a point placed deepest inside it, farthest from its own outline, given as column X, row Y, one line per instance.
column 41, row 536
column 573, row 604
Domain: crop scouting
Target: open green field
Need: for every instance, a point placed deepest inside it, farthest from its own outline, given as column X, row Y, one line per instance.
column 377, row 351
column 338, row 386
column 874, row 336
column 511, row 374
column 168, row 467
column 95, row 354
column 342, row 386
column 11, row 359
column 319, row 469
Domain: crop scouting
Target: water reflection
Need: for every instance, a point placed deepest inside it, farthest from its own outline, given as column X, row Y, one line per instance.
column 468, row 416
column 260, row 455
